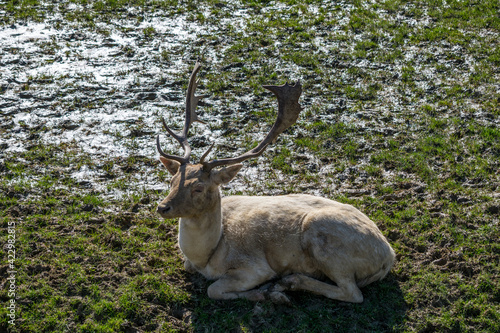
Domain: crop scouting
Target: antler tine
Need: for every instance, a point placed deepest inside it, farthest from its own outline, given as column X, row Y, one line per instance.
column 181, row 160
column 288, row 112
column 202, row 159
column 182, row 141
column 192, row 100
column 191, row 104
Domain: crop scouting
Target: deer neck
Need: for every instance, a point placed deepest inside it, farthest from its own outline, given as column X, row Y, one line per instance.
column 199, row 236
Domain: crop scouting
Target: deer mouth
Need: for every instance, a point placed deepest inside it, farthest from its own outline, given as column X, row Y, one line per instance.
column 164, row 210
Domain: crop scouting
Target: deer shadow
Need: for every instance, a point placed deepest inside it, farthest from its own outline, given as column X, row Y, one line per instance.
column 383, row 310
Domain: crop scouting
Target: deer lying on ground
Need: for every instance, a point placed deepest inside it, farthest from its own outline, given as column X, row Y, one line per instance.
column 244, row 241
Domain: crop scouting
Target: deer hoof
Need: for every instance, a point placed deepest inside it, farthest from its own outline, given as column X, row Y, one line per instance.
column 278, row 287
column 278, row 298
column 255, row 296
column 290, row 282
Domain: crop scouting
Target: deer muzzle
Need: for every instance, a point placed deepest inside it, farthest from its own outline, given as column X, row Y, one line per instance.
column 164, row 209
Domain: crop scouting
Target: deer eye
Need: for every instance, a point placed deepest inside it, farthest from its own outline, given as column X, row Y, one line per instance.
column 198, row 189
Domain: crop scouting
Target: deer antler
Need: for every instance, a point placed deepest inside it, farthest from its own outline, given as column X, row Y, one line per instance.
column 191, row 104
column 288, row 112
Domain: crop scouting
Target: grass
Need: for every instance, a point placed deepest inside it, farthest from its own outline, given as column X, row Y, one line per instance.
column 401, row 112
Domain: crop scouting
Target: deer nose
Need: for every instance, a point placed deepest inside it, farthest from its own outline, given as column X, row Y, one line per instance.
column 163, row 209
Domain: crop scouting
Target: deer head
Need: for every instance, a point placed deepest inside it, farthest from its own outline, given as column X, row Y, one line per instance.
column 195, row 187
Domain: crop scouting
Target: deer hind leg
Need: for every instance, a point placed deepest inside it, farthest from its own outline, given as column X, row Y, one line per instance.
column 346, row 290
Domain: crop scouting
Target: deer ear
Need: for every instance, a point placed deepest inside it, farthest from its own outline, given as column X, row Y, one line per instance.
column 171, row 165
column 225, row 174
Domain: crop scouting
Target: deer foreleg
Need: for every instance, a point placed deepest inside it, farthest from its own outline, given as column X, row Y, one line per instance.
column 189, row 267
column 227, row 288
column 241, row 284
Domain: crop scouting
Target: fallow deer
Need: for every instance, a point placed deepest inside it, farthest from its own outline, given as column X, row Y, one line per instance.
column 300, row 241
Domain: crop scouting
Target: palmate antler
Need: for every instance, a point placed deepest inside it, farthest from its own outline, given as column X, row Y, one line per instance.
column 288, row 112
